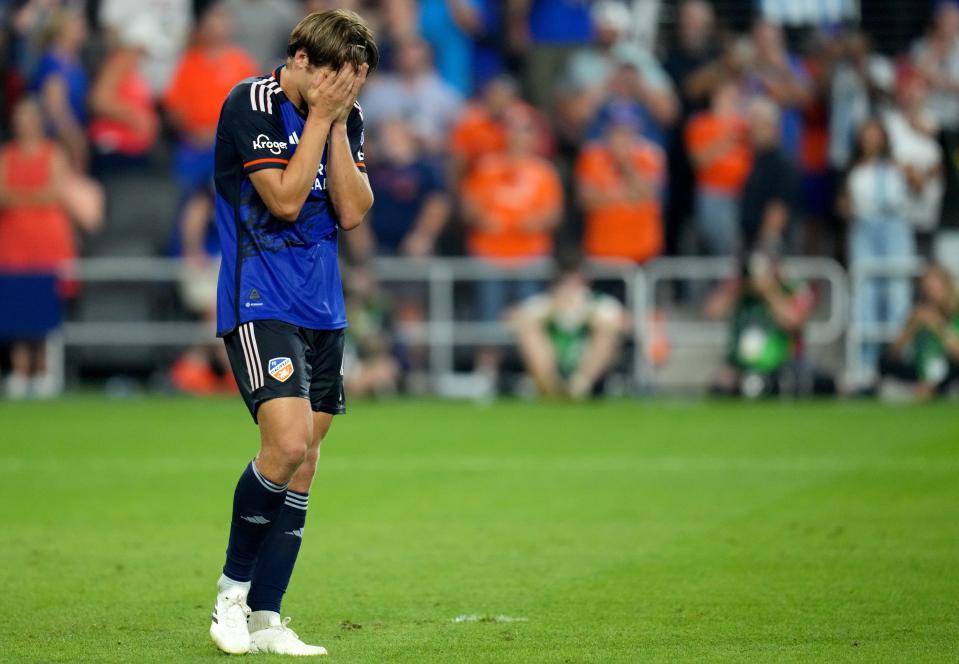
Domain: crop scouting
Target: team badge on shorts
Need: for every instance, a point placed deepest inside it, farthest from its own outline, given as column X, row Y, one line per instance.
column 280, row 368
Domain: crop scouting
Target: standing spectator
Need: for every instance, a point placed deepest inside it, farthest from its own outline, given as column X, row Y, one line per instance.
column 263, row 27
column 875, row 202
column 35, row 232
column 481, row 127
column 411, row 206
column 690, row 64
column 415, row 93
column 718, row 142
column 859, row 82
column 171, row 20
column 780, row 76
column 620, row 182
column 614, row 72
column 62, row 85
column 543, row 33
column 205, row 75
column 771, row 191
column 912, row 136
column 936, row 56
column 125, row 121
column 449, row 26
column 512, row 202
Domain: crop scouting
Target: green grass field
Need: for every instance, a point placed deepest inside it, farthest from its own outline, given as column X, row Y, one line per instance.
column 616, row 532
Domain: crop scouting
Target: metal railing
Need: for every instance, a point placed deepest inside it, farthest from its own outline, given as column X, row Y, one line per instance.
column 443, row 332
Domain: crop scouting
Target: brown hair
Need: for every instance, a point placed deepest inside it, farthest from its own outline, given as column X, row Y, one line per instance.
column 334, row 38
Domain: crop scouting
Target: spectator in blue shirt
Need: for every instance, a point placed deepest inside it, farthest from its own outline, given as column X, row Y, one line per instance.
column 62, row 84
column 411, row 206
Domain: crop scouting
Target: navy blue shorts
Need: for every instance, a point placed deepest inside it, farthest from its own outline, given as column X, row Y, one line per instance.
column 273, row 359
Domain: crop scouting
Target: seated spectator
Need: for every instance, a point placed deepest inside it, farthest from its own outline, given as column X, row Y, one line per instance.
column 204, row 77
column 770, row 196
column 718, row 144
column 569, row 337
column 411, row 207
column 766, row 315
column 512, row 202
column 125, row 121
column 926, row 352
column 371, row 366
column 416, row 93
column 35, row 232
column 61, row 84
column 913, row 140
column 202, row 368
column 620, row 183
column 481, row 127
column 875, row 201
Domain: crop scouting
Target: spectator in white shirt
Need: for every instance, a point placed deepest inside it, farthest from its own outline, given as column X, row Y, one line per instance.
column 912, row 136
column 875, row 201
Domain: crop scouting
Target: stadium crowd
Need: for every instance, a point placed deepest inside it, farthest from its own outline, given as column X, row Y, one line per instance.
column 512, row 131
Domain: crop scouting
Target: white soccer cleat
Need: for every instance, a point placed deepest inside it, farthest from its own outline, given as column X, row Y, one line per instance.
column 228, row 629
column 278, row 639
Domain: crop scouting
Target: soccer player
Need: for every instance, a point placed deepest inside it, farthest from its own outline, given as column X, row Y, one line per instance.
column 289, row 174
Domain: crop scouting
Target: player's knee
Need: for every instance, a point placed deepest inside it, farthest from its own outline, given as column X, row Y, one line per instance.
column 292, row 452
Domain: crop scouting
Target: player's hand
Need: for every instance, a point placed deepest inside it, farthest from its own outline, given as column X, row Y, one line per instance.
column 358, row 81
column 332, row 93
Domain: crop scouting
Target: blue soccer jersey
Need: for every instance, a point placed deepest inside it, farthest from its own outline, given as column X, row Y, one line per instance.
column 272, row 268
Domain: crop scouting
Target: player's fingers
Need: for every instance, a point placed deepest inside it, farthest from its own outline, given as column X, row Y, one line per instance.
column 362, row 73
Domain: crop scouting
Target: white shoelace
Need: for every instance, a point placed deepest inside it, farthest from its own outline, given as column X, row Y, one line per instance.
column 237, row 601
column 285, row 629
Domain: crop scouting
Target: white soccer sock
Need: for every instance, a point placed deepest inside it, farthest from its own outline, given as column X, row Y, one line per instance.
column 225, row 583
column 263, row 619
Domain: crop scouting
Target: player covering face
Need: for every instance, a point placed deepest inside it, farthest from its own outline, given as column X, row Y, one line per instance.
column 289, row 174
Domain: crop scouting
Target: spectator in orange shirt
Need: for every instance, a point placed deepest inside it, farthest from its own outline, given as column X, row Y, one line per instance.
column 717, row 142
column 511, row 203
column 480, row 129
column 205, row 75
column 620, row 181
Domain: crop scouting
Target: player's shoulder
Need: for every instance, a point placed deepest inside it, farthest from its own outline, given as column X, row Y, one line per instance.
column 355, row 118
column 257, row 94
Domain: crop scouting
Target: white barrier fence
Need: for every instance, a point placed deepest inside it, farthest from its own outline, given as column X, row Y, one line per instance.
column 444, row 332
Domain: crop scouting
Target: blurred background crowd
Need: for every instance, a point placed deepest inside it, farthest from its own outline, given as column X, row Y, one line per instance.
column 511, row 132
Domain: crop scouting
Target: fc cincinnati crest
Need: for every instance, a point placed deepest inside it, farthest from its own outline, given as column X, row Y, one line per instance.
column 280, row 368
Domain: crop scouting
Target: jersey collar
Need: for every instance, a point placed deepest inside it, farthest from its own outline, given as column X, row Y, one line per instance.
column 282, row 95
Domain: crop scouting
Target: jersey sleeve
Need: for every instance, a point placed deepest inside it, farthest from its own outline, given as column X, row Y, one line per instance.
column 258, row 135
column 354, row 131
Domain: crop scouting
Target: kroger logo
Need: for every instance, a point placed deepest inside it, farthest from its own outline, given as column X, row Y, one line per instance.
column 263, row 142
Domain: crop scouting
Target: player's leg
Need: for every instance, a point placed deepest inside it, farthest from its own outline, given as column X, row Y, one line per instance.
column 274, row 566
column 276, row 392
column 268, row 632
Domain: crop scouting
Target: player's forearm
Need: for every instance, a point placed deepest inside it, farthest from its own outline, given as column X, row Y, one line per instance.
column 297, row 179
column 348, row 188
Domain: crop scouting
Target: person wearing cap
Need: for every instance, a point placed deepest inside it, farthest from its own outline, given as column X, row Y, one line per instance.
column 620, row 181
